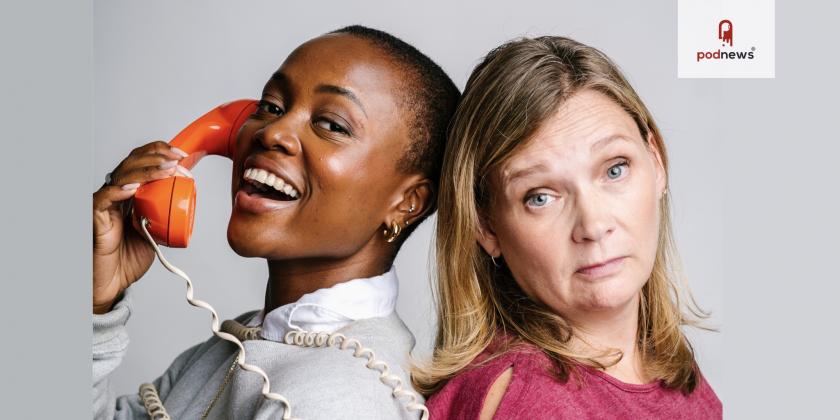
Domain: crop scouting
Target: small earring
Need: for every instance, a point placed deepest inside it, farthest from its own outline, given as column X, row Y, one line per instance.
column 494, row 261
column 394, row 232
column 411, row 209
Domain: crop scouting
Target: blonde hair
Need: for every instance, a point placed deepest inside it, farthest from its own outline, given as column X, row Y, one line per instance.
column 509, row 94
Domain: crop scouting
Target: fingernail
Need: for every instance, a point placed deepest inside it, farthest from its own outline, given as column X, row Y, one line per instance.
column 179, row 151
column 131, row 186
column 168, row 164
column 183, row 171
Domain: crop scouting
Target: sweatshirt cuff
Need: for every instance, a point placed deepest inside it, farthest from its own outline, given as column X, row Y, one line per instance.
column 110, row 325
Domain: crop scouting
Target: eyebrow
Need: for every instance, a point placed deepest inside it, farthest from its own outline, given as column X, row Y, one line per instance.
column 338, row 90
column 282, row 79
column 606, row 140
column 521, row 173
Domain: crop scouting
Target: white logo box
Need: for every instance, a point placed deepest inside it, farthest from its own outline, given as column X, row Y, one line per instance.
column 701, row 53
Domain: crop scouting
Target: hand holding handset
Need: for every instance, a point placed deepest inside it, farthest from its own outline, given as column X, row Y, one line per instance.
column 122, row 255
column 168, row 204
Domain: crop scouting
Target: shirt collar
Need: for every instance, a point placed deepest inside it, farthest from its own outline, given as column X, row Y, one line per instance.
column 330, row 309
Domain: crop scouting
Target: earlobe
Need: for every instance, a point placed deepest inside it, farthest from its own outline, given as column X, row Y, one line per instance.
column 392, row 232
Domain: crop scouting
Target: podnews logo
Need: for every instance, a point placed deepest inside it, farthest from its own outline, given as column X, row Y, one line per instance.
column 731, row 39
column 725, row 34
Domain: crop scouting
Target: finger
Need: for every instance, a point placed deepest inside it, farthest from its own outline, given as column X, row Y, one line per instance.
column 148, row 147
column 182, row 171
column 160, row 147
column 134, row 162
column 147, row 174
column 109, row 196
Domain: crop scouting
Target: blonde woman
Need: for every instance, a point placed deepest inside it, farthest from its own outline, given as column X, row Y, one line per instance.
column 556, row 279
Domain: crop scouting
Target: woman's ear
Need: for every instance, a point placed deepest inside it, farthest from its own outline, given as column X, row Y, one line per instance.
column 413, row 201
column 659, row 166
column 487, row 238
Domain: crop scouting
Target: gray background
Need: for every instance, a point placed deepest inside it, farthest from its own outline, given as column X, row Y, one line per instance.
column 752, row 178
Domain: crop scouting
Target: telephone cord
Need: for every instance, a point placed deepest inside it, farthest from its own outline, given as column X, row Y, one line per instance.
column 240, row 358
column 323, row 339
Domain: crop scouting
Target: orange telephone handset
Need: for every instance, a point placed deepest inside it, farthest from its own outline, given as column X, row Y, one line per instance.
column 169, row 204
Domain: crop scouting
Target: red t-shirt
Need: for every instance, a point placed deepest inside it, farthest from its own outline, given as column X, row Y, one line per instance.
column 534, row 394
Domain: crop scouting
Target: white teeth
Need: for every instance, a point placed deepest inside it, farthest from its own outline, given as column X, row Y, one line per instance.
column 264, row 177
column 260, row 176
column 278, row 184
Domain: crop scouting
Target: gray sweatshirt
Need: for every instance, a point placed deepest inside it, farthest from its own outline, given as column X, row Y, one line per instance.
column 320, row 383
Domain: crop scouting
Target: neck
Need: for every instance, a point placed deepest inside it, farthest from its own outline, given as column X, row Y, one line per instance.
column 614, row 329
column 288, row 280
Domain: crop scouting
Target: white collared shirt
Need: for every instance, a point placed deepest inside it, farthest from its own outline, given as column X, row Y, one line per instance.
column 330, row 309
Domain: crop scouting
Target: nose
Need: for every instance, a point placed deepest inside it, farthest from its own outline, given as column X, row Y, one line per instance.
column 280, row 135
column 594, row 222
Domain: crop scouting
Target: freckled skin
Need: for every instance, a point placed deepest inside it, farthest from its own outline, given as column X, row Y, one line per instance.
column 589, row 214
column 351, row 184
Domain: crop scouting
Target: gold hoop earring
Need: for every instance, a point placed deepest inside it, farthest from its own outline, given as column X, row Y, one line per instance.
column 391, row 234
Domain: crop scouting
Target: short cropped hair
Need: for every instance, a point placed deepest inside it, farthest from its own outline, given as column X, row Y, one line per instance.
column 429, row 97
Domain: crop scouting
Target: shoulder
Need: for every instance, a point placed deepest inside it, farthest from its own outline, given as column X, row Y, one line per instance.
column 491, row 377
column 705, row 398
column 344, row 387
column 384, row 339
column 347, row 383
column 388, row 332
column 388, row 338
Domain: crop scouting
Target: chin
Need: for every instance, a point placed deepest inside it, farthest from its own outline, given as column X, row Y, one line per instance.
column 243, row 242
column 255, row 241
column 241, row 247
column 610, row 295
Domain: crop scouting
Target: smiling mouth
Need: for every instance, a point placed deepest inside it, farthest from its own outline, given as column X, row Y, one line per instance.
column 261, row 183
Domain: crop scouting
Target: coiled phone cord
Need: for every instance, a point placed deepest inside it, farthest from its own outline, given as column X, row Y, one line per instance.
column 240, row 358
column 323, row 339
column 152, row 402
column 299, row 338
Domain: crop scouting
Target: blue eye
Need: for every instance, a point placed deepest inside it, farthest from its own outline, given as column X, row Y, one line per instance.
column 539, row 200
column 616, row 171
